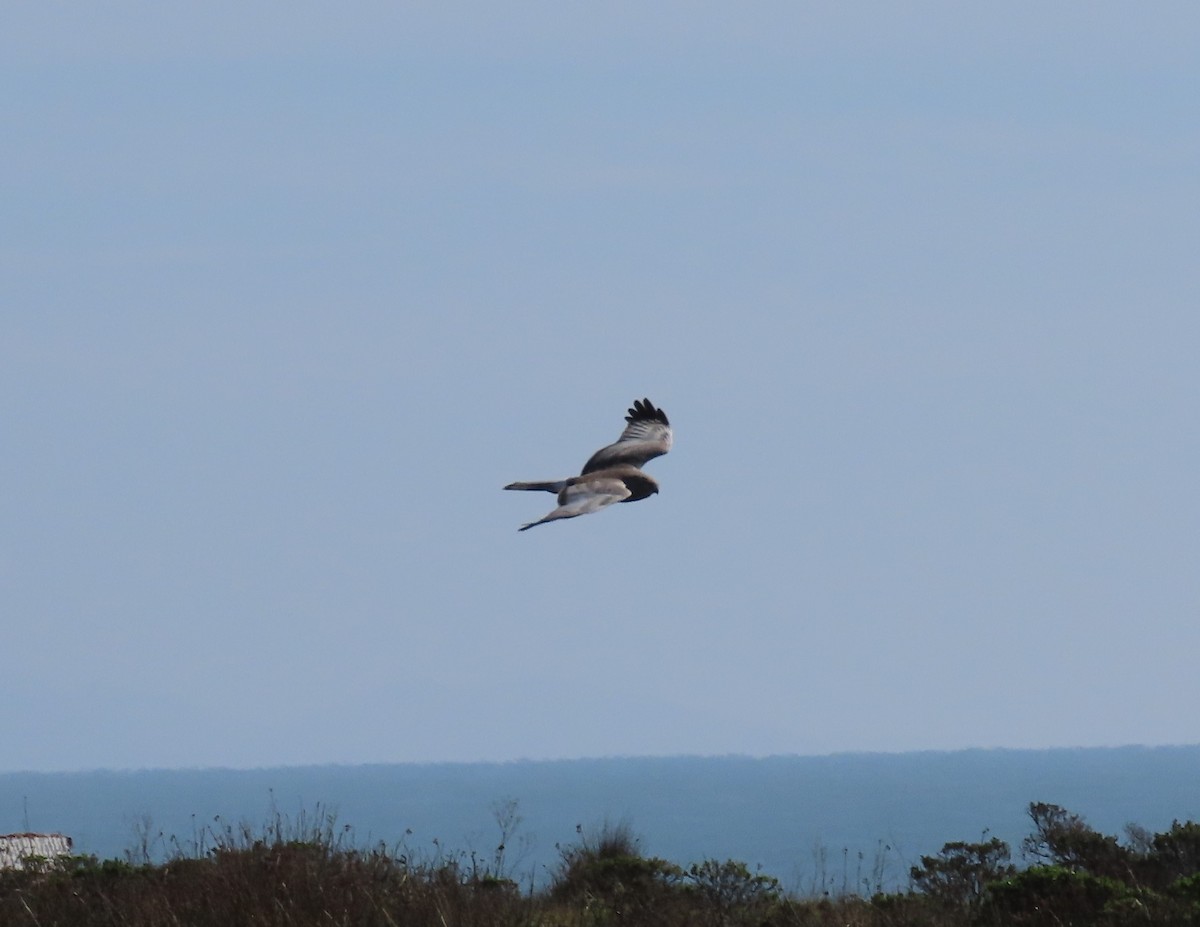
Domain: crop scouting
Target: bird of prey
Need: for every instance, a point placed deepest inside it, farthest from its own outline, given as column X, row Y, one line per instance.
column 613, row 473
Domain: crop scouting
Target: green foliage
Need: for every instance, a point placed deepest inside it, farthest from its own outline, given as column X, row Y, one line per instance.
column 1054, row 895
column 727, row 892
column 1186, row 892
column 609, row 877
column 1063, row 839
column 958, row 875
column 1175, row 853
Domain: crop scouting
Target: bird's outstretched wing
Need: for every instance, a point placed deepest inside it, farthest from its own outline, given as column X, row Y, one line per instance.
column 648, row 435
column 588, row 495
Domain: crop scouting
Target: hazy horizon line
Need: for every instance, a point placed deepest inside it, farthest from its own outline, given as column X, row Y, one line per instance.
column 599, row 758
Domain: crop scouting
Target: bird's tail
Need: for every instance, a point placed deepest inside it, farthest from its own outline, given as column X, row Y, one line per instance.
column 545, row 485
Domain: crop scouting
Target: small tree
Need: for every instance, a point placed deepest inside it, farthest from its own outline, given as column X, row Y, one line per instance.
column 1063, row 839
column 959, row 874
column 1176, row 853
column 730, row 889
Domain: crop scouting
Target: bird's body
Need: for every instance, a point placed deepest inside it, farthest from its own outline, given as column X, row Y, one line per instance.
column 613, row 474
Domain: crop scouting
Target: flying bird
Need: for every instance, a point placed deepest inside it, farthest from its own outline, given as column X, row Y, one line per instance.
column 613, row 473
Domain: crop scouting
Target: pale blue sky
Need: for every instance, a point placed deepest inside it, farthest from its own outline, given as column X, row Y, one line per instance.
column 289, row 293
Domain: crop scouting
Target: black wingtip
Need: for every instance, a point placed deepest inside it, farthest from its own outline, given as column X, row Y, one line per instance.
column 643, row 410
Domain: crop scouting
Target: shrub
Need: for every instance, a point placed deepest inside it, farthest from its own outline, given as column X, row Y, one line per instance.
column 1174, row 854
column 958, row 875
column 1056, row 895
column 610, row 871
column 723, row 890
column 1063, row 839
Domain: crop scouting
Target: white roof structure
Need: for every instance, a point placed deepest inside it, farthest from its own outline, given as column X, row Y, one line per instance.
column 15, row 849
